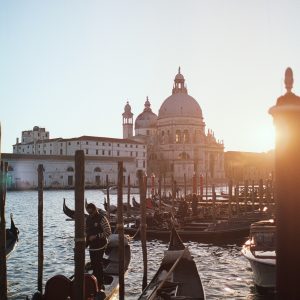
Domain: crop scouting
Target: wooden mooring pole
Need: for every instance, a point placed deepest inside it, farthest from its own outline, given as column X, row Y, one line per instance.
column 230, row 199
column 286, row 115
column 143, row 226
column 128, row 196
column 3, row 266
column 79, row 293
column 107, row 196
column 121, row 230
column 40, row 227
column 261, row 194
column 159, row 191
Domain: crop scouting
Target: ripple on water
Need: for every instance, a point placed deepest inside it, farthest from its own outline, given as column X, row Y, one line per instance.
column 224, row 272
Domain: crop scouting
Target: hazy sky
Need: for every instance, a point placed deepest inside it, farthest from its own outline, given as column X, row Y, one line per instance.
column 70, row 66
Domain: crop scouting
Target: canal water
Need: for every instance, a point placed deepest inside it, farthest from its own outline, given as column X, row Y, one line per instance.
column 224, row 272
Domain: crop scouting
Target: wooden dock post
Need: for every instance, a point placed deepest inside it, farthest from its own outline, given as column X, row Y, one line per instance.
column 107, row 196
column 230, row 199
column 143, row 226
column 128, row 196
column 184, row 182
column 79, row 293
column 246, row 188
column 214, row 203
column 286, row 115
column 253, row 196
column 3, row 266
column 159, row 190
column 237, row 198
column 40, row 226
column 261, row 194
column 121, row 231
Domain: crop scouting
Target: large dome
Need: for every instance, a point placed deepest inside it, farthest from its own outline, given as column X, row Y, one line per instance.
column 147, row 119
column 179, row 104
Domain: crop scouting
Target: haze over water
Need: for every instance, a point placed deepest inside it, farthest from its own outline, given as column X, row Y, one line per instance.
column 224, row 272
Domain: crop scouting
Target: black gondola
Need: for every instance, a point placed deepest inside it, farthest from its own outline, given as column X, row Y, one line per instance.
column 12, row 237
column 177, row 276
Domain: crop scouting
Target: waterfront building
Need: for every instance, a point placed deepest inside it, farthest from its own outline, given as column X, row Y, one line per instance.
column 172, row 144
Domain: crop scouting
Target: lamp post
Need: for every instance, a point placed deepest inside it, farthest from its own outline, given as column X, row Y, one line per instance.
column 286, row 115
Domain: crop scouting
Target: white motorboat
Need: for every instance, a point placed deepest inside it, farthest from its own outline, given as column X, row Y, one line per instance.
column 260, row 250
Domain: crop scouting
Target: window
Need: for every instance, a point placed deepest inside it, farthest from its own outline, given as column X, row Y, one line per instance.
column 61, row 144
column 136, row 146
column 50, row 145
column 96, row 152
column 103, row 152
column 137, row 164
column 118, row 153
column 130, row 146
column 136, row 154
column 109, row 144
column 125, row 145
column 44, row 151
column 70, row 169
column 103, row 144
column 86, row 151
column 144, row 164
column 118, row 145
column 177, row 137
column 78, row 143
column 69, row 143
column 186, row 136
column 109, row 152
column 50, row 151
column 97, row 169
column 148, row 132
column 60, row 151
column 144, row 154
column 96, row 143
column 87, row 143
column 131, row 153
column 23, row 149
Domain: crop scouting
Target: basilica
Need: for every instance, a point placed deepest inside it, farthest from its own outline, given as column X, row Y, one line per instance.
column 177, row 143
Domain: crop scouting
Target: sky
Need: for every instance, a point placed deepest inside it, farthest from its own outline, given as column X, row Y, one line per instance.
column 70, row 66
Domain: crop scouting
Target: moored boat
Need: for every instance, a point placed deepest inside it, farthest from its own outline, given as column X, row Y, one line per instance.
column 260, row 250
column 177, row 276
column 12, row 237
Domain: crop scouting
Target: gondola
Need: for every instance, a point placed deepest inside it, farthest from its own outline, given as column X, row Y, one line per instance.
column 59, row 287
column 177, row 276
column 203, row 232
column 12, row 237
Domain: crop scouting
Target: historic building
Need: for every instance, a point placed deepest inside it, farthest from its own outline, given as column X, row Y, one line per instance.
column 177, row 144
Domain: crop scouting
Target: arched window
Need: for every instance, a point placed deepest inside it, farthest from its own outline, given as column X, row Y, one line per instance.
column 183, row 156
column 177, row 137
column 97, row 169
column 70, row 169
column 186, row 137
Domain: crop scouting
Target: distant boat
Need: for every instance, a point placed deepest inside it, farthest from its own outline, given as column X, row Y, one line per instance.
column 12, row 237
column 177, row 276
column 260, row 250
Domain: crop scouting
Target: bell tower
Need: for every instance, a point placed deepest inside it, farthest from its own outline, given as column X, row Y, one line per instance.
column 127, row 122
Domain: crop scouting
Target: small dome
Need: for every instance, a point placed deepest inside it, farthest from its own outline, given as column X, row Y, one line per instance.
column 127, row 107
column 147, row 119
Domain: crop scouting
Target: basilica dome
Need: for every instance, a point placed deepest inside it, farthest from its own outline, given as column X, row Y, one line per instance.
column 147, row 119
column 180, row 104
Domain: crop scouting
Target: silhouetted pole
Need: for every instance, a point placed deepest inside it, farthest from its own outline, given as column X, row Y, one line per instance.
column 261, row 194
column 121, row 231
column 40, row 227
column 143, row 226
column 79, row 226
column 230, row 200
column 173, row 194
column 246, row 194
column 3, row 266
column 128, row 196
column 214, row 203
column 253, row 196
column 201, row 185
column 237, row 199
column 206, row 185
column 107, row 196
column 194, row 184
column 286, row 114
column 184, row 178
column 159, row 190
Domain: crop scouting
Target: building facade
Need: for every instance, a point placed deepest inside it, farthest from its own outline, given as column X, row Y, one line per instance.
column 177, row 144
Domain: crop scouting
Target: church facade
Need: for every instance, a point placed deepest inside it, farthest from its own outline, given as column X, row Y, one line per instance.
column 177, row 143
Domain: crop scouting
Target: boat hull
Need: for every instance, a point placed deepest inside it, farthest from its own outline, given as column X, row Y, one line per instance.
column 264, row 275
